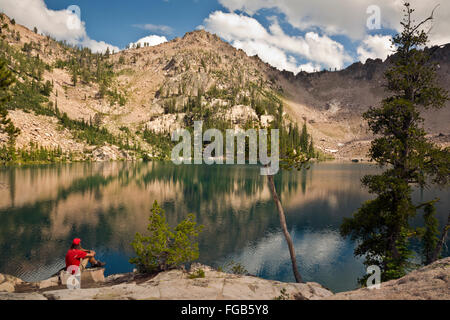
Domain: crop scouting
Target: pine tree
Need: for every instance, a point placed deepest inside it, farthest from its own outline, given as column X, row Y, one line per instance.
column 311, row 150
column 304, row 138
column 74, row 76
column 430, row 235
column 6, row 125
column 382, row 226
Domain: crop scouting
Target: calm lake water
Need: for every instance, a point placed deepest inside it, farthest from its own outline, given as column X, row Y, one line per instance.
column 43, row 208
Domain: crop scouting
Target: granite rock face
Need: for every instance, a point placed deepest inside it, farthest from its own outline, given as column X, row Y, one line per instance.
column 10, row 284
column 181, row 285
column 21, row 296
column 429, row 283
column 175, row 285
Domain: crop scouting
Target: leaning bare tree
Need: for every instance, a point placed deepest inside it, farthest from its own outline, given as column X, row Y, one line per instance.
column 293, row 160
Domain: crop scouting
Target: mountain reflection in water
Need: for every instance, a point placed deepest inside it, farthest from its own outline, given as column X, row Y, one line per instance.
column 43, row 208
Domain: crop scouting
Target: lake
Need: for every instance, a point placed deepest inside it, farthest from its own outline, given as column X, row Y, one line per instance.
column 43, row 208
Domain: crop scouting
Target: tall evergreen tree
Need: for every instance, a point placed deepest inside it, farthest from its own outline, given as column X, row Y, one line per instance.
column 304, row 138
column 382, row 226
column 74, row 75
column 6, row 125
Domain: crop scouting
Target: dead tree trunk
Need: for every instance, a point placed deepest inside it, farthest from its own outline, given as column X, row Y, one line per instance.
column 441, row 242
column 279, row 206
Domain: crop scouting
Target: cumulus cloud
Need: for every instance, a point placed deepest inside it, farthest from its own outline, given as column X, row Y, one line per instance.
column 332, row 17
column 155, row 28
column 348, row 17
column 309, row 67
column 274, row 46
column 268, row 53
column 374, row 47
column 151, row 40
column 59, row 24
column 314, row 248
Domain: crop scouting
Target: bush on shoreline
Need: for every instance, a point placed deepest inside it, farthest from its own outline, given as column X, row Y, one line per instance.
column 163, row 248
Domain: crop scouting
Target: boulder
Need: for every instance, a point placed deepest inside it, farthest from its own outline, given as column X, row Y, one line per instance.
column 88, row 276
column 7, row 287
column 49, row 283
column 8, row 283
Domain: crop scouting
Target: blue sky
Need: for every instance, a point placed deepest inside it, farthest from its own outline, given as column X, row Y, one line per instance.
column 113, row 20
column 296, row 35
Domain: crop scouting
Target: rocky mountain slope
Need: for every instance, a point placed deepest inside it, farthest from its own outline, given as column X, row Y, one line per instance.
column 138, row 96
column 340, row 98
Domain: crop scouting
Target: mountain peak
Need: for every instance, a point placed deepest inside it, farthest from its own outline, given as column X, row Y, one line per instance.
column 201, row 35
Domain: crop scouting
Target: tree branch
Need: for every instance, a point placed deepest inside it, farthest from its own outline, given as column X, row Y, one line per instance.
column 441, row 242
column 430, row 18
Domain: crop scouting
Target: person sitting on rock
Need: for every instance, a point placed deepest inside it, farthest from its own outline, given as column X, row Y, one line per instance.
column 79, row 257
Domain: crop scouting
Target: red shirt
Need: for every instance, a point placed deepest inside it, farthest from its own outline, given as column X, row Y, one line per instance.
column 74, row 257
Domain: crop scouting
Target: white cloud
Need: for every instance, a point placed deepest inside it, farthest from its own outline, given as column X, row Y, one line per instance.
column 267, row 53
column 97, row 46
column 309, row 67
column 375, row 47
column 152, row 40
column 34, row 13
column 274, row 45
column 312, row 248
column 348, row 17
column 155, row 28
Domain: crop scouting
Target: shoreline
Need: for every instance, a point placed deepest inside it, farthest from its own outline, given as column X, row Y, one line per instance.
column 428, row 283
column 44, row 164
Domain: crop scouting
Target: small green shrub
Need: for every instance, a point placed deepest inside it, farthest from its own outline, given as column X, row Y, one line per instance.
column 238, row 269
column 199, row 274
column 283, row 295
column 164, row 249
column 234, row 268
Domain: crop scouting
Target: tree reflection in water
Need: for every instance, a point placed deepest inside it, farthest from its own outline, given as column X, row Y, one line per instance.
column 43, row 208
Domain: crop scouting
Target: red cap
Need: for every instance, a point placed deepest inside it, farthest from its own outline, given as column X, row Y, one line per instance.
column 76, row 242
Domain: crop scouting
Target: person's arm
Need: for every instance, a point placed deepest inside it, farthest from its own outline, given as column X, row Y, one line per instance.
column 90, row 255
column 88, row 252
column 85, row 254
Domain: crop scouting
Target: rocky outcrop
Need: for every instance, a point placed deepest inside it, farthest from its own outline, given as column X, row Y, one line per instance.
column 19, row 288
column 110, row 153
column 177, row 285
column 241, row 114
column 166, row 124
column 21, row 296
column 203, row 283
column 8, row 283
column 429, row 283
